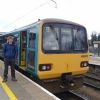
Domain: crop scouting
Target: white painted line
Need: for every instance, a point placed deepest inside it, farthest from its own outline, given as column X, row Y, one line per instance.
column 37, row 85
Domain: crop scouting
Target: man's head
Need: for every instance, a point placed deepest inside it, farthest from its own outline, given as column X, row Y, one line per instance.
column 10, row 39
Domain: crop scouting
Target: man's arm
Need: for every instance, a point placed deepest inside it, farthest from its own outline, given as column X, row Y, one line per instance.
column 4, row 50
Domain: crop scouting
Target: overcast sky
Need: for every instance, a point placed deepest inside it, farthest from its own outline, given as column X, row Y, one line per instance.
column 17, row 13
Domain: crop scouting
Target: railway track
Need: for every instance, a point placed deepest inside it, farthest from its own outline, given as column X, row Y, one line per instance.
column 79, row 94
column 87, row 93
column 68, row 96
column 84, row 93
column 92, row 80
column 90, row 90
column 91, row 85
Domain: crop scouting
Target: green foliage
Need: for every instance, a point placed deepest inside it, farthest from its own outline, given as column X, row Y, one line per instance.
column 94, row 37
column 99, row 37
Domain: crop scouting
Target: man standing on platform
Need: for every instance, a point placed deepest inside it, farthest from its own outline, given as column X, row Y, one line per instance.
column 10, row 54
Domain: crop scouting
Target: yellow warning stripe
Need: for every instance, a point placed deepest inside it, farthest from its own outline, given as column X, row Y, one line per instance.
column 7, row 90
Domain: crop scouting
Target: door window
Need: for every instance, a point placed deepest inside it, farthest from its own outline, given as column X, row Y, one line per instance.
column 31, row 48
column 32, row 37
column 31, row 59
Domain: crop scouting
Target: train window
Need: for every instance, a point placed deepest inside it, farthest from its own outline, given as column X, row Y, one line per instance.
column 16, row 39
column 79, row 39
column 50, row 38
column 32, row 37
column 24, row 36
column 31, row 59
column 61, row 38
column 66, row 38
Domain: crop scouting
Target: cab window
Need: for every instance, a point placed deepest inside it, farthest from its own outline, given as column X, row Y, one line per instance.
column 80, row 43
column 51, row 38
column 66, row 39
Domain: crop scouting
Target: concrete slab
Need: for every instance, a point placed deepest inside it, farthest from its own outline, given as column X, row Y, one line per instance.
column 3, row 95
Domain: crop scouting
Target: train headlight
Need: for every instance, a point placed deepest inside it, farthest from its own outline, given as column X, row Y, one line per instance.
column 45, row 67
column 84, row 64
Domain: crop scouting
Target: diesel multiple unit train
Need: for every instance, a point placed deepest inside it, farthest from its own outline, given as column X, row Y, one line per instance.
column 53, row 51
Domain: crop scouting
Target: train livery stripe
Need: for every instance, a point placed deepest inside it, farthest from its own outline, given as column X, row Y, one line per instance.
column 8, row 91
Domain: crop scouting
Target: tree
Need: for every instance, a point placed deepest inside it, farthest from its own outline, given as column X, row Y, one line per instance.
column 99, row 37
column 93, row 38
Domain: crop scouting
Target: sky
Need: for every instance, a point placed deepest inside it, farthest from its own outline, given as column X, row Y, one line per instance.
column 18, row 13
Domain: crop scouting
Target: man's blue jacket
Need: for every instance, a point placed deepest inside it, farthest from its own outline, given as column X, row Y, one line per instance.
column 9, row 51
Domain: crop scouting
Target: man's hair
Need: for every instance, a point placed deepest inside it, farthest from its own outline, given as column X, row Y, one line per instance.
column 10, row 37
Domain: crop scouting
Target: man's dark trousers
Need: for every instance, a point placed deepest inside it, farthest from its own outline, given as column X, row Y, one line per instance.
column 11, row 63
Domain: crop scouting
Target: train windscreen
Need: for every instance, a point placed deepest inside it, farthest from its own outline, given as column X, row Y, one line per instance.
column 63, row 38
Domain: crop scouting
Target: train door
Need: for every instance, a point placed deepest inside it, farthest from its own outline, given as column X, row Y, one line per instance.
column 23, row 43
column 17, row 42
column 31, row 50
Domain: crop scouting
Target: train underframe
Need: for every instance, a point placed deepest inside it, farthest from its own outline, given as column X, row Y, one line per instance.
column 56, row 85
column 65, row 83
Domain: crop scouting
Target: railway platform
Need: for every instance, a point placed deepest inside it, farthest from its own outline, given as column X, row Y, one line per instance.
column 94, row 60
column 23, row 89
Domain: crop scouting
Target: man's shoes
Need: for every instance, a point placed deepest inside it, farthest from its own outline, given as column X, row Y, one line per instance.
column 4, row 80
column 14, row 79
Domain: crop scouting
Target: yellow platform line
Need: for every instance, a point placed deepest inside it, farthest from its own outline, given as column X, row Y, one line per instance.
column 7, row 90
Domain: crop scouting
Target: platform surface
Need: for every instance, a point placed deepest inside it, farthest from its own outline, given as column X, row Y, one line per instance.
column 3, row 94
column 23, row 89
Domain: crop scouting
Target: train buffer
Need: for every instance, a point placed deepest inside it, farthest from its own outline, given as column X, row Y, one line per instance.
column 23, row 89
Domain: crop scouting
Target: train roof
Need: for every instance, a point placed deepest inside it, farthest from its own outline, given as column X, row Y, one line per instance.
column 55, row 20
column 47, row 20
column 2, row 33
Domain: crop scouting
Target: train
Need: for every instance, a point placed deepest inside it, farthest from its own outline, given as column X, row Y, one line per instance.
column 53, row 51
